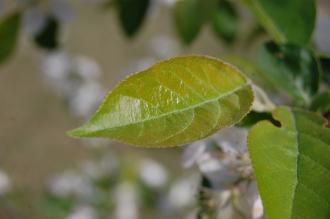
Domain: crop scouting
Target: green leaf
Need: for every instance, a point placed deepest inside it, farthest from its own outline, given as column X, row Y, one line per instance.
column 251, row 70
column 286, row 20
column 188, row 19
column 9, row 28
column 47, row 37
column 254, row 33
column 132, row 14
column 292, row 165
column 253, row 117
column 321, row 102
column 225, row 21
column 174, row 102
column 292, row 68
column 325, row 63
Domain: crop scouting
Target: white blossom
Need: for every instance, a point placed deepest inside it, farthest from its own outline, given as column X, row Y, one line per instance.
column 153, row 173
column 82, row 212
column 222, row 158
column 193, row 152
column 232, row 141
column 182, row 193
column 75, row 79
column 126, row 202
column 106, row 166
column 87, row 67
column 258, row 209
column 86, row 99
column 71, row 183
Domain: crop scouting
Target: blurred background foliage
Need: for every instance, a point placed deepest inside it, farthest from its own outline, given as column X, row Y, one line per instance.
column 58, row 59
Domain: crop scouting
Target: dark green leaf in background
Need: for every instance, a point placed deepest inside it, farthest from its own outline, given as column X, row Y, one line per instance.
column 325, row 63
column 292, row 165
column 292, row 68
column 188, row 19
column 131, row 14
column 253, row 117
column 172, row 103
column 321, row 102
column 47, row 38
column 9, row 29
column 225, row 20
column 286, row 20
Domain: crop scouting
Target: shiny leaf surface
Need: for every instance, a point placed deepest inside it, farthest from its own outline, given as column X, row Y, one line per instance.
column 174, row 102
column 292, row 164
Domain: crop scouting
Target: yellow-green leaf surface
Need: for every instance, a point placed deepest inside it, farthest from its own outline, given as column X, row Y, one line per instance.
column 172, row 103
column 292, row 165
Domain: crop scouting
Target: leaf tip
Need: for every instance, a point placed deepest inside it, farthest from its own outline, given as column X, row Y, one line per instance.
column 76, row 133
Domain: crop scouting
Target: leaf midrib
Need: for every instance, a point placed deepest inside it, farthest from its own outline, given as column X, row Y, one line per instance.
column 297, row 165
column 180, row 110
column 299, row 156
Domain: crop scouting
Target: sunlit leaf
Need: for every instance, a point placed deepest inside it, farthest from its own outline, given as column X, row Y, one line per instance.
column 225, row 20
column 132, row 14
column 188, row 19
column 286, row 20
column 292, row 68
column 47, row 38
column 9, row 28
column 292, row 164
column 172, row 103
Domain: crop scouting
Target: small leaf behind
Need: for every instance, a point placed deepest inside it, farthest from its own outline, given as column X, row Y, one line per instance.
column 174, row 102
column 292, row 68
column 321, row 102
column 132, row 14
column 188, row 19
column 47, row 38
column 9, row 28
column 287, row 21
column 225, row 21
column 292, row 165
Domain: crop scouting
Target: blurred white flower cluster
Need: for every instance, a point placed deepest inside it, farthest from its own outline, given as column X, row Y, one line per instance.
column 228, row 189
column 75, row 79
column 107, row 187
